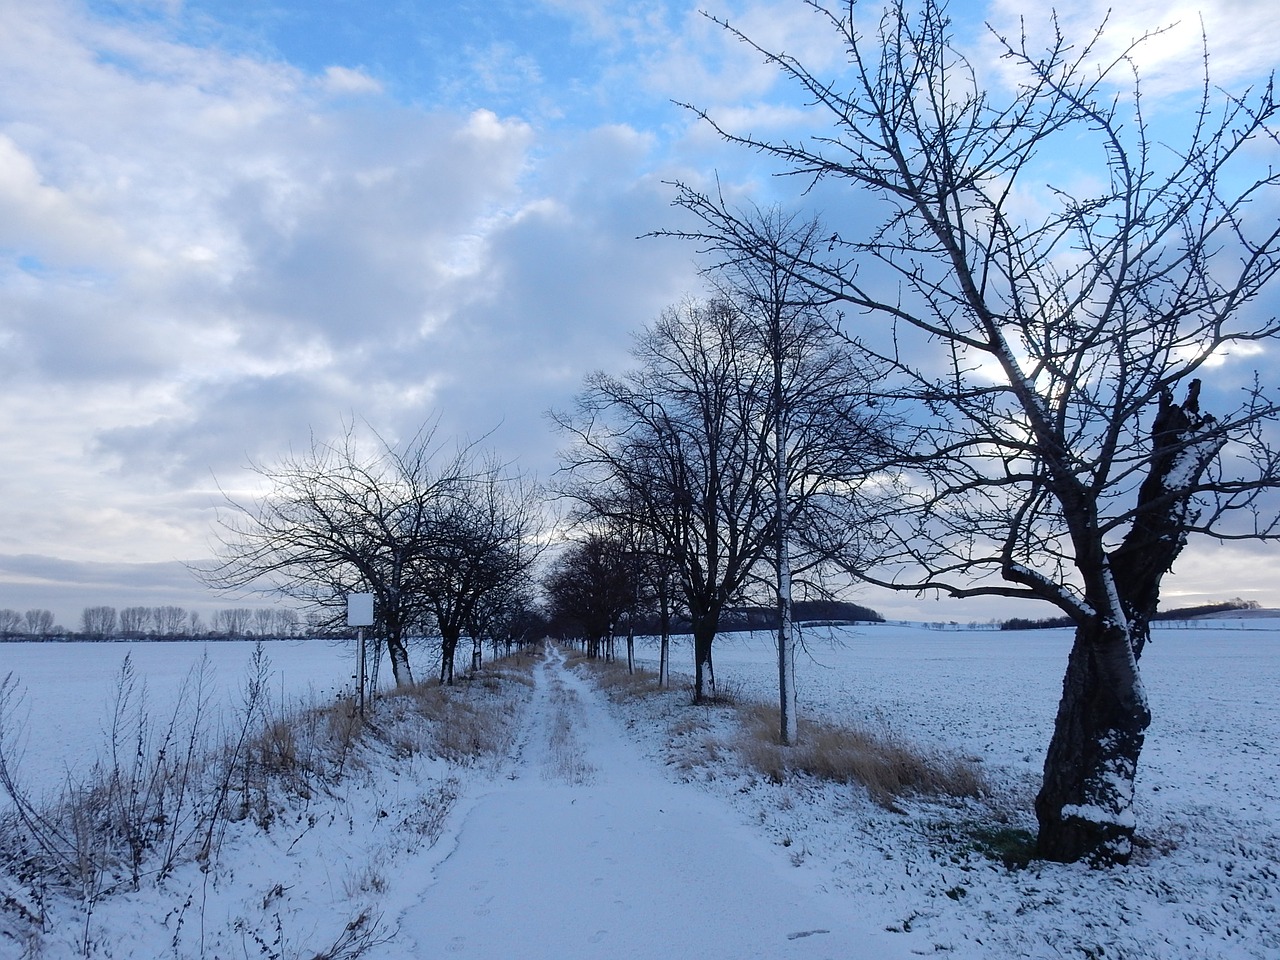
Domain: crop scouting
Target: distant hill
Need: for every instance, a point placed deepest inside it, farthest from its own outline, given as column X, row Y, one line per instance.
column 803, row 611
column 1223, row 609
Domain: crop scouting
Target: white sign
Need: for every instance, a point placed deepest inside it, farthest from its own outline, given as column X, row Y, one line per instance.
column 359, row 609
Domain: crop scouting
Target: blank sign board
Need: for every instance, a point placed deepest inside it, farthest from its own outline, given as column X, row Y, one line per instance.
column 359, row 609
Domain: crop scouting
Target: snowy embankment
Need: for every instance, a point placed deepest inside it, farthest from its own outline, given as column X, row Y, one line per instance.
column 1205, row 882
column 284, row 838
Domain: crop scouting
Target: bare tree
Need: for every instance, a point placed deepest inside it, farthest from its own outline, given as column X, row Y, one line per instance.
column 134, row 621
column 264, row 622
column 169, row 620
column 482, row 541
column 287, row 622
column 346, row 517
column 99, row 622
column 10, row 623
column 824, row 431
column 233, row 621
column 1052, row 345
column 39, row 623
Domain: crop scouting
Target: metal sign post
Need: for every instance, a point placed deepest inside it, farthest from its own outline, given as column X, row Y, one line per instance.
column 360, row 615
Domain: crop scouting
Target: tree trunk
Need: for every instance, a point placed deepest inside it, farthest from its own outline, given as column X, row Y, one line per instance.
column 704, row 632
column 448, row 647
column 1085, row 804
column 788, row 703
column 664, row 627
column 399, row 662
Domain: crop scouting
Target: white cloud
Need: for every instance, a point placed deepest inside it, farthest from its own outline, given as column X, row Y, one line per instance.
column 344, row 80
column 1240, row 35
column 205, row 256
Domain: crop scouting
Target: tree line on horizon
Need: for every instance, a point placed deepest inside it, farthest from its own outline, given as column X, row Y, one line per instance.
column 102, row 622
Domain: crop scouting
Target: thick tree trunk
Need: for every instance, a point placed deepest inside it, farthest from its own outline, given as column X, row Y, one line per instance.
column 1085, row 804
column 788, row 702
column 448, row 647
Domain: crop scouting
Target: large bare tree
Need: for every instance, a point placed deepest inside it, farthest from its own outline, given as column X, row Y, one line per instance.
column 1056, row 344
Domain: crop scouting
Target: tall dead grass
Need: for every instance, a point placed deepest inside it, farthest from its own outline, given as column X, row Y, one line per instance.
column 566, row 757
column 889, row 766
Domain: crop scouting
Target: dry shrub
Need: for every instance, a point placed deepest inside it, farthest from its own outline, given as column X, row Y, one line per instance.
column 276, row 748
column 725, row 693
column 620, row 684
column 887, row 765
column 429, row 699
column 468, row 733
column 297, row 747
column 517, row 666
column 697, row 753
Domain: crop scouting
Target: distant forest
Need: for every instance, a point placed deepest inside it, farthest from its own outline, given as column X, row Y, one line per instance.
column 802, row 611
column 1179, row 613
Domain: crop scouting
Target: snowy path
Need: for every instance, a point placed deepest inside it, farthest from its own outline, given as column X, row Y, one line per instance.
column 587, row 851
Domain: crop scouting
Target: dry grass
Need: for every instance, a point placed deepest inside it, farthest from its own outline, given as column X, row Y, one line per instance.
column 468, row 722
column 888, row 766
column 617, row 682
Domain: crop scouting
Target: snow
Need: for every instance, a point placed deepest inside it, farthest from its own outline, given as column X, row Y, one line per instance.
column 630, row 828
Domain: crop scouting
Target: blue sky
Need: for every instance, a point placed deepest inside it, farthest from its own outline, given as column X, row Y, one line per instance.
column 225, row 225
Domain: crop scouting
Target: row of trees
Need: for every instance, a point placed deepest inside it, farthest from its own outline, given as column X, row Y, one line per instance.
column 171, row 621
column 445, row 538
column 718, row 467
column 32, row 623
column 1043, row 353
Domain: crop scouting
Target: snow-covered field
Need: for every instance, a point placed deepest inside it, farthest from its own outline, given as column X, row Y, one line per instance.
column 1206, row 882
column 570, row 845
column 69, row 689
